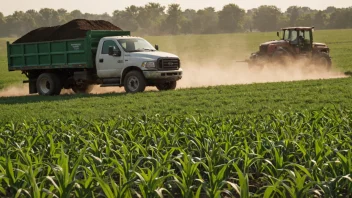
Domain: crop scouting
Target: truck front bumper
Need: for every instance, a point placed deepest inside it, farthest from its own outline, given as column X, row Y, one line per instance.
column 173, row 75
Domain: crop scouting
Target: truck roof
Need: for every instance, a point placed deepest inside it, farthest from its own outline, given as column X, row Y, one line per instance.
column 298, row 28
column 121, row 37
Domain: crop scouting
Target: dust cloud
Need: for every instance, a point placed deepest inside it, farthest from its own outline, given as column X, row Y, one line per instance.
column 214, row 74
column 19, row 90
column 239, row 73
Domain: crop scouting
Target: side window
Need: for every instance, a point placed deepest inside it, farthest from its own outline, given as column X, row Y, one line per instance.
column 286, row 35
column 106, row 46
column 307, row 36
column 293, row 35
column 124, row 45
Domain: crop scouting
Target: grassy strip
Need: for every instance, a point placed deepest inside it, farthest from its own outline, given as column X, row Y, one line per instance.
column 227, row 100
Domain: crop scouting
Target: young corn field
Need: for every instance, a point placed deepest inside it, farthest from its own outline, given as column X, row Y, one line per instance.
column 296, row 154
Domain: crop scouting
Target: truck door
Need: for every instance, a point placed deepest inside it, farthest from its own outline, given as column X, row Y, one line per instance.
column 109, row 66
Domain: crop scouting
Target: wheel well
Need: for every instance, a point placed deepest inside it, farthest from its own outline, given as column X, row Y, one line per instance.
column 128, row 69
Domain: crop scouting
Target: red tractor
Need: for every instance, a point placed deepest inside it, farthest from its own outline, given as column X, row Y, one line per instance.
column 295, row 44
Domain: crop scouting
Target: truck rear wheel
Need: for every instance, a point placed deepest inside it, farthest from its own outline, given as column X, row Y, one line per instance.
column 84, row 88
column 48, row 84
column 134, row 82
column 166, row 86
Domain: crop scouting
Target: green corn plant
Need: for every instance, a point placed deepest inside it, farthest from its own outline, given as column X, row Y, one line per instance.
column 64, row 180
column 150, row 182
column 244, row 182
column 188, row 174
column 299, row 184
column 13, row 178
column 283, row 154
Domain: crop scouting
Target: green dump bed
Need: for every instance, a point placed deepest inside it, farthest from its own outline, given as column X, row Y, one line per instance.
column 76, row 53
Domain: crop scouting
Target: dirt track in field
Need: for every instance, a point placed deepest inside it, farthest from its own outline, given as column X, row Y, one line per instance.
column 214, row 75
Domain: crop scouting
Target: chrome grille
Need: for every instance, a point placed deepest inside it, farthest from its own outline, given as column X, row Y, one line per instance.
column 168, row 64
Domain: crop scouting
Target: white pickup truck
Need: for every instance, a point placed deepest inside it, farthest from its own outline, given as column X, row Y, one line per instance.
column 97, row 59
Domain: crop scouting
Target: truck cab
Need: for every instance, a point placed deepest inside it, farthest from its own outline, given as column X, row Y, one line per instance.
column 134, row 63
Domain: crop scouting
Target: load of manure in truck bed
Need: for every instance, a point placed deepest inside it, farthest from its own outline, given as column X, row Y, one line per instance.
column 72, row 30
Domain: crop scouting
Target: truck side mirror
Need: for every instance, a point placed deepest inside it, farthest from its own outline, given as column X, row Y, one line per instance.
column 278, row 34
column 157, row 47
column 111, row 50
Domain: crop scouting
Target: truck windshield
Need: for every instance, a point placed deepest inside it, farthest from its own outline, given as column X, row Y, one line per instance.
column 135, row 45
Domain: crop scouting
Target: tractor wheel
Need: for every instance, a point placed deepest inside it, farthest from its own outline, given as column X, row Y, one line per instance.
column 322, row 60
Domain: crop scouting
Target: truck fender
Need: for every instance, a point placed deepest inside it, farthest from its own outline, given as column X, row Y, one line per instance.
column 128, row 69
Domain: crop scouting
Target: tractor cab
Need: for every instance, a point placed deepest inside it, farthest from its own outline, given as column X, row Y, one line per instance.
column 299, row 38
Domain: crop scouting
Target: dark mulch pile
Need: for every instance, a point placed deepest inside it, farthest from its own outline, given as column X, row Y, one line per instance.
column 72, row 30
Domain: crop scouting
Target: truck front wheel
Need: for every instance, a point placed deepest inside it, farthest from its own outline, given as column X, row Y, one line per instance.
column 166, row 86
column 48, row 84
column 134, row 82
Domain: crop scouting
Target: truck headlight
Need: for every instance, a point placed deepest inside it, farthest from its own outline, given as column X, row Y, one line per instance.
column 149, row 65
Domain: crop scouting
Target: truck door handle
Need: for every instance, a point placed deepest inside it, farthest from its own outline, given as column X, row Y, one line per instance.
column 101, row 60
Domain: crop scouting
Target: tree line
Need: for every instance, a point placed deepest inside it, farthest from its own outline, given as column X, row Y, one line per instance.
column 155, row 19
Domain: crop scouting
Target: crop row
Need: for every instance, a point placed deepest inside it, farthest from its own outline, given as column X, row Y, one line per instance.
column 297, row 154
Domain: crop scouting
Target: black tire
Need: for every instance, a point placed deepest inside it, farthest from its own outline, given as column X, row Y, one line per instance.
column 82, row 89
column 134, row 82
column 59, row 84
column 48, row 84
column 322, row 60
column 166, row 86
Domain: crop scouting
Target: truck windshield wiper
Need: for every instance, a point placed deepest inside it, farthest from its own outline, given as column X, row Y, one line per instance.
column 150, row 50
column 145, row 49
column 141, row 50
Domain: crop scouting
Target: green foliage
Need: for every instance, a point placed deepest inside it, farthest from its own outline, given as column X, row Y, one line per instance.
column 266, row 18
column 173, row 21
column 293, row 154
column 150, row 17
column 154, row 19
column 231, row 18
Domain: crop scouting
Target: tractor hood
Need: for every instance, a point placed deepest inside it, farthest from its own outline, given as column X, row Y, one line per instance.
column 281, row 42
column 277, row 42
column 320, row 44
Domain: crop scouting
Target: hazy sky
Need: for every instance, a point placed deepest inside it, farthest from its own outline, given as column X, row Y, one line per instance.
column 101, row 6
